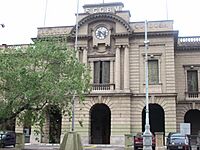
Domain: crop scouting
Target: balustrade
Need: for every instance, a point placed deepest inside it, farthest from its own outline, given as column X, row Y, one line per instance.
column 192, row 95
column 103, row 87
column 189, row 41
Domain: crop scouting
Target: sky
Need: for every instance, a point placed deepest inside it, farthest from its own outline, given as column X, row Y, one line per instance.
column 23, row 17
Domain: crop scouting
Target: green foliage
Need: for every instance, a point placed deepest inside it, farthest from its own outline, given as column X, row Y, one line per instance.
column 45, row 73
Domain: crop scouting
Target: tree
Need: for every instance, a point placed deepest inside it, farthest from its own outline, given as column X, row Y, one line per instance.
column 44, row 73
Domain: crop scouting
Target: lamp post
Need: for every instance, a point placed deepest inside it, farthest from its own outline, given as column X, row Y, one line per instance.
column 147, row 136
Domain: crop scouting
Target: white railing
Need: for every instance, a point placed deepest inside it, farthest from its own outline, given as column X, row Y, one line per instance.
column 189, row 41
column 102, row 86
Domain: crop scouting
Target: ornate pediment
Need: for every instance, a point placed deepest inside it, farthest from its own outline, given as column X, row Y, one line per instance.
column 102, row 17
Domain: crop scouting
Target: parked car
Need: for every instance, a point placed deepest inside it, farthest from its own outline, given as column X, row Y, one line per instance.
column 7, row 138
column 138, row 141
column 178, row 141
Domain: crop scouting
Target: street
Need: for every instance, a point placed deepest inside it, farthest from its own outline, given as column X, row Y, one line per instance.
column 56, row 147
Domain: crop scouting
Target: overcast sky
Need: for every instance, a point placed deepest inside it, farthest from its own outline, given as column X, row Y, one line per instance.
column 23, row 17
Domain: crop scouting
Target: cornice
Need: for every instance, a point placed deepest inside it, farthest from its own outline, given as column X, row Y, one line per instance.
column 100, row 55
column 156, row 33
column 115, row 35
column 111, row 94
column 58, row 37
column 179, row 102
column 84, row 37
column 130, row 94
column 156, row 94
column 187, row 48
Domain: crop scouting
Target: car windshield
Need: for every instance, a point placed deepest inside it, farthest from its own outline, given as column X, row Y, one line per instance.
column 179, row 139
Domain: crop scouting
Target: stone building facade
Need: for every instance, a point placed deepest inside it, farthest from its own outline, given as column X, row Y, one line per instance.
column 113, row 47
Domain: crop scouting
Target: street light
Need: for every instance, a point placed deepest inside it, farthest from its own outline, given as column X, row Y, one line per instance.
column 147, row 136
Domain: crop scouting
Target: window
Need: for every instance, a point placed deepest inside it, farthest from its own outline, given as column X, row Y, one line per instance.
column 153, row 72
column 101, row 72
column 192, row 80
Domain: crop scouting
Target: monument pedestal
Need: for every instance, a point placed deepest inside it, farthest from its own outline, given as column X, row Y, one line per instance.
column 71, row 141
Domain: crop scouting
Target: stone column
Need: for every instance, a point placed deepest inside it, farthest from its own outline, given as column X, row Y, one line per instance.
column 92, row 71
column 85, row 56
column 126, row 68
column 117, row 68
column 111, row 74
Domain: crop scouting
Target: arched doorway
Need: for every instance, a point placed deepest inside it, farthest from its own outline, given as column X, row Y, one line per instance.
column 55, row 119
column 193, row 117
column 100, row 121
column 156, row 118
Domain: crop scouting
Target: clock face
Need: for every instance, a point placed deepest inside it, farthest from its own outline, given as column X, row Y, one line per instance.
column 101, row 33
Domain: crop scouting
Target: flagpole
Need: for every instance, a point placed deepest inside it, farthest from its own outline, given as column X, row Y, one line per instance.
column 166, row 9
column 45, row 12
column 76, row 48
column 76, row 38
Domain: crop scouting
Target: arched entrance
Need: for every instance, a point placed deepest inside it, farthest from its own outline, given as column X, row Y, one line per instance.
column 100, row 121
column 193, row 117
column 55, row 119
column 156, row 118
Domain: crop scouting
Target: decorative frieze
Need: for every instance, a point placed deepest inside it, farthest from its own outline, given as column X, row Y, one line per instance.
column 53, row 31
column 154, row 26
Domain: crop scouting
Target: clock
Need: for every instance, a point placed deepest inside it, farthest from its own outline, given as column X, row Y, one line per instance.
column 101, row 32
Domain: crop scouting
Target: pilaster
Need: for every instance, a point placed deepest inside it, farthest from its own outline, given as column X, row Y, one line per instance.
column 117, row 68
column 126, row 68
column 111, row 73
column 85, row 55
column 92, row 71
